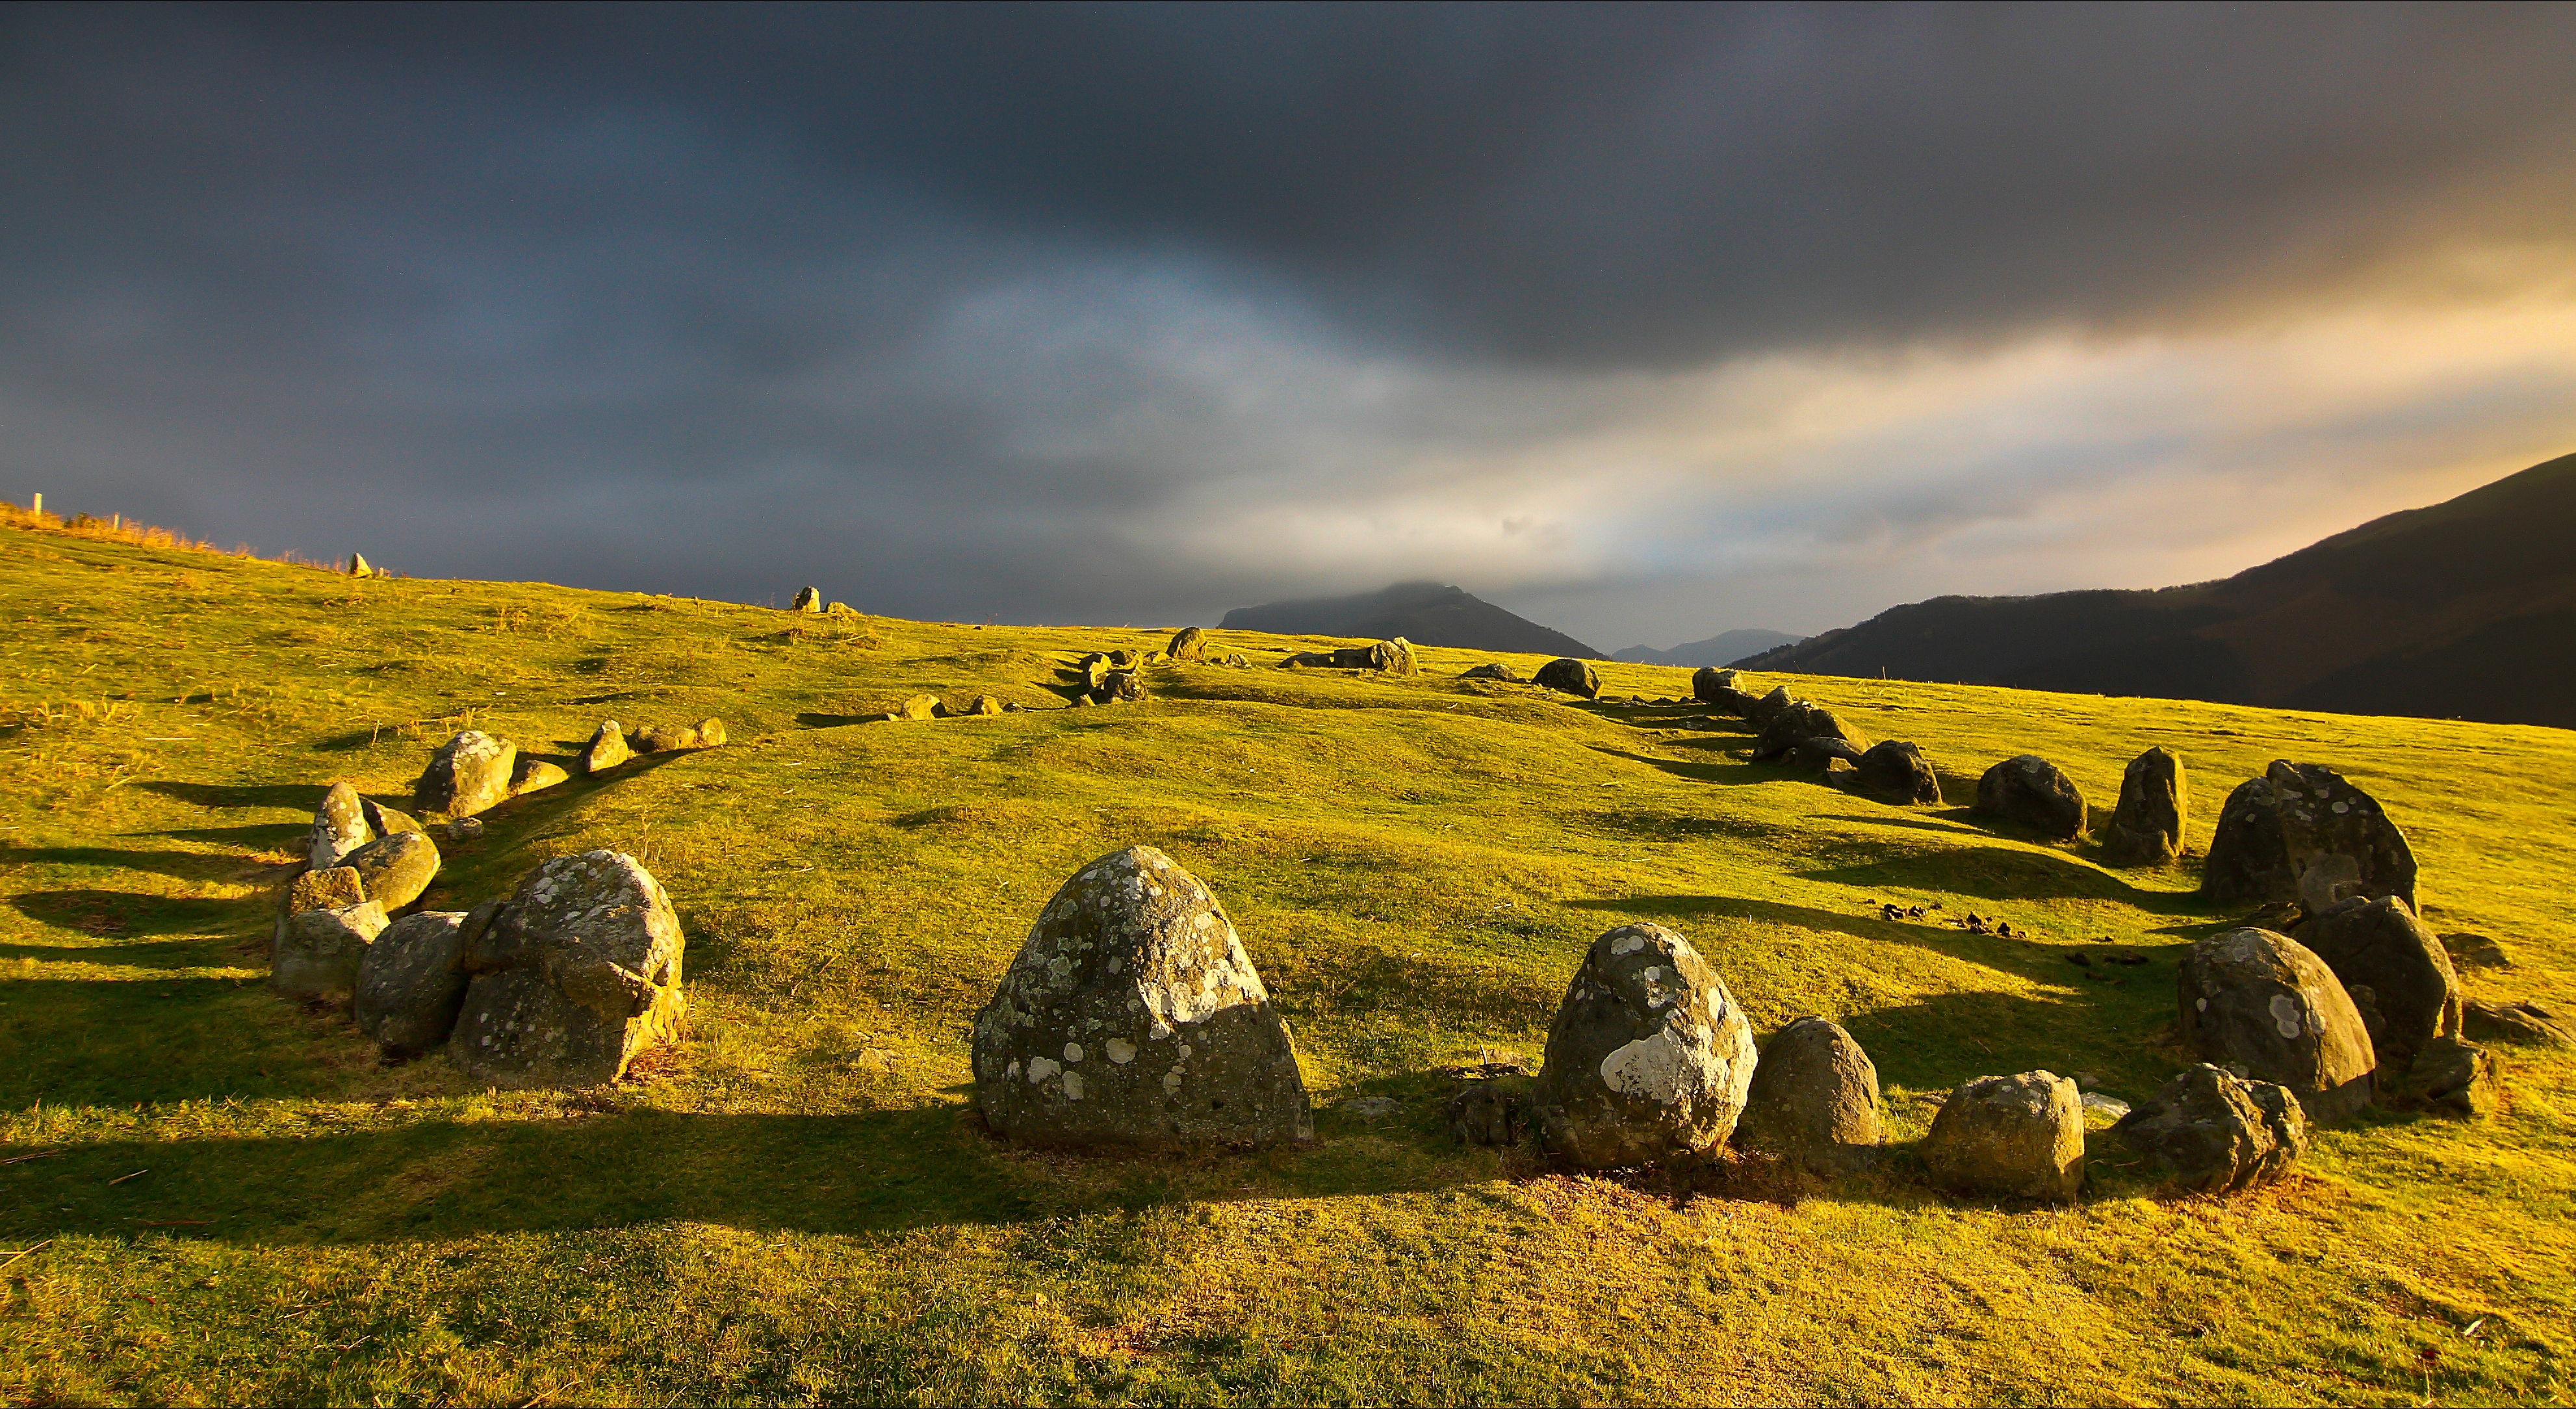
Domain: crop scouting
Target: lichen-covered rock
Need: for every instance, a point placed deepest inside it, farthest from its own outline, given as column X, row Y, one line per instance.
column 397, row 869
column 327, row 889
column 1491, row 670
column 2015, row 1137
column 1898, row 770
column 339, row 827
column 410, row 984
column 1648, row 1058
column 2215, row 1132
column 607, row 748
column 808, row 599
column 2029, row 791
column 1120, row 687
column 1188, row 643
column 1711, row 685
column 2449, row 1077
column 317, row 951
column 2155, row 806
column 1132, row 1016
column 1796, row 722
column 385, row 821
column 466, row 775
column 536, row 775
column 1571, row 676
column 2262, row 1006
column 2300, row 832
column 576, row 973
column 1813, row 1100
column 2380, row 944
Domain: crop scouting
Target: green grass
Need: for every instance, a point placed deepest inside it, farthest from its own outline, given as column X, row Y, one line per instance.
column 798, row 1205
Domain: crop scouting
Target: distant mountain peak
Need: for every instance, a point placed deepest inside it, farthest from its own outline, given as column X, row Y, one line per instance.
column 1425, row 613
column 1724, row 648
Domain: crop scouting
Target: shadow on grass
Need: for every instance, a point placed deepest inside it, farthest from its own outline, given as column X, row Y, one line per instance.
column 250, row 836
column 2007, row 873
column 302, row 797
column 2043, row 962
column 187, row 865
column 106, row 914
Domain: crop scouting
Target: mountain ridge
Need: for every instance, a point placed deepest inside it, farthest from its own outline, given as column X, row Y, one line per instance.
column 1425, row 613
column 1724, row 648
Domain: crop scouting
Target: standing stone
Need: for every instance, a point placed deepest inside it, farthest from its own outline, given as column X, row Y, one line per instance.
column 1814, row 1099
column 410, row 985
column 1648, row 1059
column 2380, row 945
column 1132, row 1016
column 577, row 972
column 339, row 827
column 1571, row 676
column 1896, row 769
column 535, row 775
column 1189, row 643
column 2030, row 791
column 317, row 954
column 396, row 869
column 1797, row 722
column 468, row 774
column 2265, row 1008
column 2155, row 806
column 808, row 600
column 2015, row 1137
column 2215, row 1132
column 1708, row 682
column 607, row 748
column 360, row 567
column 1394, row 657
column 2300, row 832
column 385, row 821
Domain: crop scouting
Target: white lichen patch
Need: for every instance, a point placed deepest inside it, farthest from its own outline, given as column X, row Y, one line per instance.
column 1121, row 1051
column 2285, row 1014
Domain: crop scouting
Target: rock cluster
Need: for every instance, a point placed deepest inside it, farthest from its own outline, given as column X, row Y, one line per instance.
column 1391, row 657
column 355, row 878
column 676, row 738
column 2265, row 1008
column 1796, row 722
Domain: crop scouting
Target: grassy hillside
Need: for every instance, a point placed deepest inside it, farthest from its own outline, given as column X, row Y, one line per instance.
column 231, row 1199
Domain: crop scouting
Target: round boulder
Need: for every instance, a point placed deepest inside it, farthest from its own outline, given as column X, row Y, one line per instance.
column 2029, row 791
column 2381, row 946
column 339, row 827
column 1896, row 769
column 2262, row 1006
column 1188, row 643
column 1648, row 1059
column 2155, row 805
column 576, row 973
column 2014, row 1137
column 1814, row 1099
column 1132, row 1016
column 396, row 869
column 410, row 983
column 2215, row 1132
column 466, row 775
column 1570, row 676
column 2300, row 832
column 607, row 748
column 1709, row 681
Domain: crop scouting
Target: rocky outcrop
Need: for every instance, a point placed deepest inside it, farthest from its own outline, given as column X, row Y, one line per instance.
column 339, row 827
column 2263, row 1007
column 2213, row 1132
column 2301, row 832
column 2014, row 1137
column 1796, row 722
column 607, row 748
column 466, row 775
column 1188, row 643
column 396, row 869
column 1813, row 1101
column 576, row 973
column 2155, row 806
column 2380, row 945
column 2029, row 791
column 1898, row 771
column 1569, row 676
column 1648, row 1059
column 411, row 983
column 1133, row 1017
column 317, row 951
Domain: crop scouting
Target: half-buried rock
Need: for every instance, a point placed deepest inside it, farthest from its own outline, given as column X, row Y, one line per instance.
column 2214, row 1132
column 1571, row 676
column 2014, row 1137
column 466, row 775
column 396, row 869
column 1648, row 1059
column 2300, row 832
column 317, row 951
column 1898, row 771
column 2380, row 946
column 339, row 827
column 578, row 972
column 1133, row 1017
column 1814, row 1099
column 536, row 775
column 410, row 981
column 2261, row 1006
column 1796, row 722
column 2155, row 805
column 607, row 748
column 2029, row 791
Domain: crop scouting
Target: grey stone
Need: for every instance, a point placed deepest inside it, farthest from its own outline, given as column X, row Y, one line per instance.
column 2015, row 1137
column 1648, row 1058
column 1813, row 1100
column 2262, row 1006
column 1487, row 1113
column 1133, row 1017
column 677, row 738
column 410, row 984
column 2449, row 1077
column 535, row 775
column 1898, row 770
column 2029, row 791
column 607, row 748
column 2525, row 1022
column 396, row 869
column 2380, row 943
column 809, row 599
column 317, row 953
column 1188, row 643
column 2301, row 832
column 464, row 829
column 2155, row 807
column 1491, row 670
column 1761, row 710
column 1736, row 703
column 339, row 827
column 466, row 775
column 385, row 821
column 1711, row 684
column 2214, row 1132
column 574, row 975
column 1797, row 722
column 1570, row 676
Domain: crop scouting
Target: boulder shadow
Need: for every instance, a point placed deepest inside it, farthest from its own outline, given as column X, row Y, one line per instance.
column 300, row 797
column 186, row 865
column 107, row 914
column 2003, row 873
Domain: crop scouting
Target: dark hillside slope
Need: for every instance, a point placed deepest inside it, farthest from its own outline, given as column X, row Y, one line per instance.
column 2464, row 610
column 1725, row 648
column 1425, row 613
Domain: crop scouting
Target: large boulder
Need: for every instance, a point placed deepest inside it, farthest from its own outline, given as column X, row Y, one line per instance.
column 397, row 869
column 1813, row 1100
column 1132, row 1016
column 2014, row 1137
column 410, row 981
column 1798, row 721
column 2380, row 945
column 2300, row 832
column 1571, row 676
column 1711, row 685
column 1649, row 1058
column 1188, row 643
column 607, row 748
column 2029, row 791
column 1896, row 769
column 2264, row 1007
column 339, row 827
column 2155, row 805
column 2214, row 1132
column 577, row 972
column 466, row 775
column 2449, row 1077
column 317, row 951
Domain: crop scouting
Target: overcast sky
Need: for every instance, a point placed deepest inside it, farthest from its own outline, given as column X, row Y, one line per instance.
column 1646, row 323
